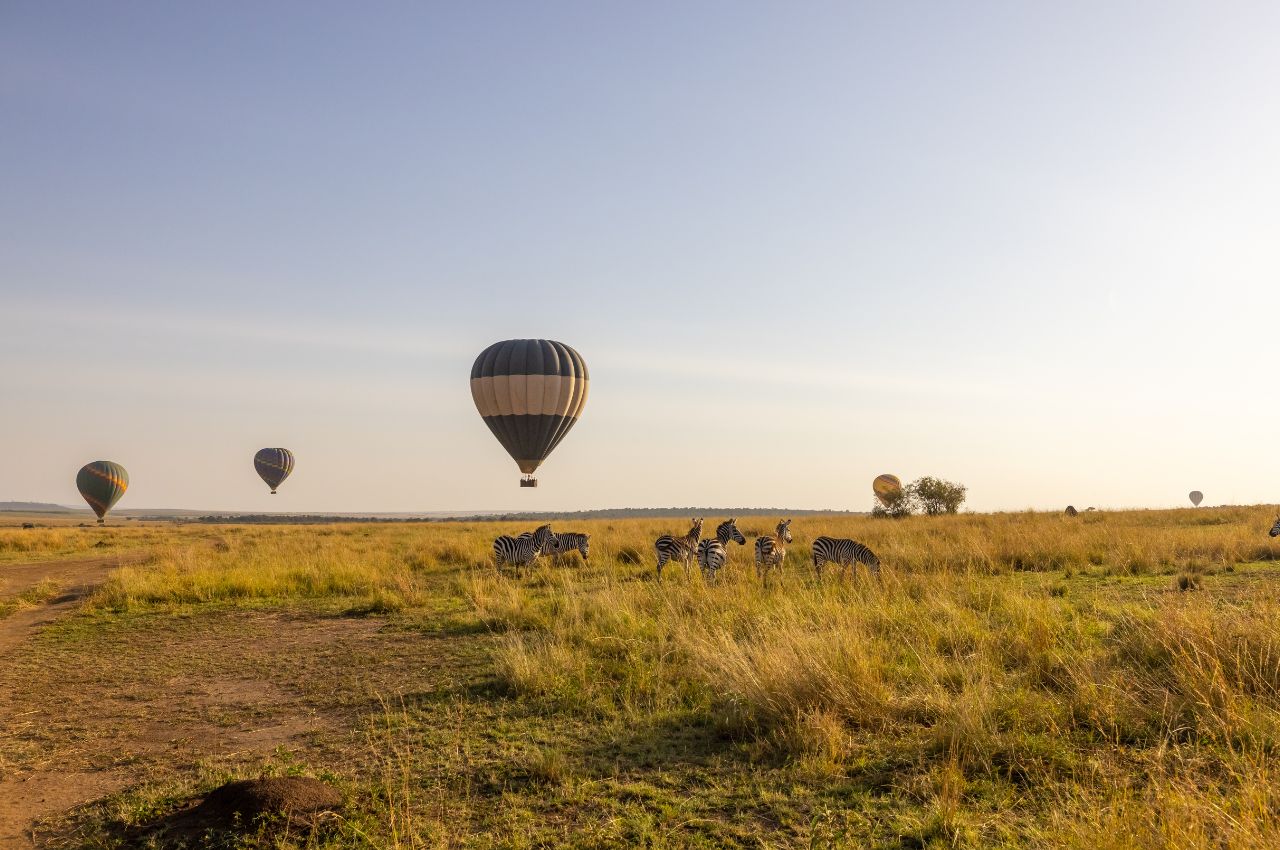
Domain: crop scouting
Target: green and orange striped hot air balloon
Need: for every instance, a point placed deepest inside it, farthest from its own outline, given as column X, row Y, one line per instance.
column 102, row 483
column 529, row 392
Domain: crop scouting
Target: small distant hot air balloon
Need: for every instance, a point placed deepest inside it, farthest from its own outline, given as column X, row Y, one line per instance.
column 530, row 392
column 274, row 466
column 102, row 483
column 1196, row 497
column 888, row 489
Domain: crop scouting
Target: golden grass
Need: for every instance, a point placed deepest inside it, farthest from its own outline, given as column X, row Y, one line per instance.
column 968, row 673
column 1025, row 679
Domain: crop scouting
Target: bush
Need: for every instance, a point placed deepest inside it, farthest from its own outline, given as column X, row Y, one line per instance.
column 934, row 497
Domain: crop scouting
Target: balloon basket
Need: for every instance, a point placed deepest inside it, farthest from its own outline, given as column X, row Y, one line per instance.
column 528, row 482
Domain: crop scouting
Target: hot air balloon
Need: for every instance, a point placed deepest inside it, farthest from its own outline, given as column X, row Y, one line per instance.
column 274, row 466
column 102, row 483
column 888, row 489
column 530, row 393
column 1196, row 497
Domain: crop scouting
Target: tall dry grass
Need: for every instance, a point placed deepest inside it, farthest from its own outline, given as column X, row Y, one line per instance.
column 960, row 668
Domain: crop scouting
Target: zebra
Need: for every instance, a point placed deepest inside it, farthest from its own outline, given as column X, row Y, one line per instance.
column 567, row 541
column 711, row 552
column 843, row 552
column 771, row 550
column 682, row 548
column 525, row 548
column 1275, row 529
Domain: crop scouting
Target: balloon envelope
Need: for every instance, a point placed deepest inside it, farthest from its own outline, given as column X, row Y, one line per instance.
column 887, row 488
column 102, row 483
column 530, row 392
column 273, row 465
column 1196, row 497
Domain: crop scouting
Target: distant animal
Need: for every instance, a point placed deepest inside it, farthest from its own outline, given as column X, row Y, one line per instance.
column 844, row 552
column 1275, row 529
column 28, row 525
column 567, row 541
column 712, row 553
column 771, row 550
column 1071, row 510
column 524, row 549
column 683, row 549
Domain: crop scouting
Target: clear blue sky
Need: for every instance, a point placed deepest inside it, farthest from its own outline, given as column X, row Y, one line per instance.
column 1030, row 247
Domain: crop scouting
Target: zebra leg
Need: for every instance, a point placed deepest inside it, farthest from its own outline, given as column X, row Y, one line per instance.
column 662, row 559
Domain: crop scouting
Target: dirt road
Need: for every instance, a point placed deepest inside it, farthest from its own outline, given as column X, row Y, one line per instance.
column 76, row 578
column 22, row 800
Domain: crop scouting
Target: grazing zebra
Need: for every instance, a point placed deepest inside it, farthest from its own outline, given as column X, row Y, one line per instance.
column 678, row 548
column 525, row 548
column 567, row 541
column 843, row 552
column 711, row 552
column 771, row 550
column 1275, row 529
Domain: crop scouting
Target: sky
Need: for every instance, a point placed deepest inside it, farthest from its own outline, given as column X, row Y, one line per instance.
column 1031, row 248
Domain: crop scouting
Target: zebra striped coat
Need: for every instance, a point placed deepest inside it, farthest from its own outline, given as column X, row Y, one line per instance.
column 567, row 541
column 670, row 548
column 1275, row 529
column 524, row 549
column 712, row 553
column 844, row 552
column 771, row 550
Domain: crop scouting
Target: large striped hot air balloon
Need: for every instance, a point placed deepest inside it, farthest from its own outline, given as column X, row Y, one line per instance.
column 1196, row 497
column 274, row 466
column 102, row 483
column 888, row 488
column 530, row 393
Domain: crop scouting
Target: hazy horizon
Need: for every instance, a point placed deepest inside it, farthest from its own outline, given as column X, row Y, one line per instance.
column 1029, row 249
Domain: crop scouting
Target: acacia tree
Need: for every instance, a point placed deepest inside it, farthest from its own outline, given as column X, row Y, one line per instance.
column 933, row 496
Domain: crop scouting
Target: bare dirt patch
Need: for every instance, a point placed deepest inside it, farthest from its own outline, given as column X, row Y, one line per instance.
column 77, row 577
column 99, row 705
column 45, row 792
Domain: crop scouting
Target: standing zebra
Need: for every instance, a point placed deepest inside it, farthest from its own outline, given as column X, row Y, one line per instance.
column 712, row 554
column 1275, row 529
column 678, row 548
column 523, row 549
column 771, row 550
column 567, row 541
column 844, row 552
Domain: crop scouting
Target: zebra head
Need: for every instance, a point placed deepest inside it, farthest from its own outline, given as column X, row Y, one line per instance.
column 728, row 530
column 696, row 531
column 784, row 531
column 544, row 540
column 1275, row 529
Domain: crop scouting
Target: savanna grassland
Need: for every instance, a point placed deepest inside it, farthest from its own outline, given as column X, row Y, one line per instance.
column 1011, row 680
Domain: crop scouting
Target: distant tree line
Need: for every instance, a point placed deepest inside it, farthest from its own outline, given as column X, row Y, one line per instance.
column 928, row 495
